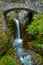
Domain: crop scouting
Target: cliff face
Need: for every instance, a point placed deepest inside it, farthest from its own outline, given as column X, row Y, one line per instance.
column 5, row 38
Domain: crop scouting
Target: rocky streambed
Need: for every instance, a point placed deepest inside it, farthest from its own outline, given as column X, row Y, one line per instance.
column 11, row 53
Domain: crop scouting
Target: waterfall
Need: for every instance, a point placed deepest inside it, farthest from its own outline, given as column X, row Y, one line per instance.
column 24, row 56
column 18, row 28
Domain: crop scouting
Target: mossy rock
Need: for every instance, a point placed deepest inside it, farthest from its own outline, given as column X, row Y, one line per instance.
column 5, row 41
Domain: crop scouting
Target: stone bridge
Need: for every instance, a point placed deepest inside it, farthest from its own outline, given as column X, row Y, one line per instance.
column 29, row 7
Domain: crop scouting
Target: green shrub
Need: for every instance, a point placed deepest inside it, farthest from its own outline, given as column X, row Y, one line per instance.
column 11, row 62
column 7, row 60
column 36, row 27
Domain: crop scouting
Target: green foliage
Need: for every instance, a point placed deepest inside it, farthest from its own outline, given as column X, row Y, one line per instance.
column 10, row 51
column 11, row 62
column 11, row 25
column 1, row 3
column 10, row 0
column 40, row 39
column 7, row 60
column 20, row 1
column 32, row 30
column 36, row 27
column 1, row 8
column 3, row 37
column 1, row 63
column 37, row 44
column 1, row 20
column 10, row 58
column 41, row 0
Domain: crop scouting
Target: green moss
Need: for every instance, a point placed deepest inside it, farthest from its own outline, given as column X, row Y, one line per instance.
column 1, row 63
column 3, row 37
column 10, row 51
column 7, row 60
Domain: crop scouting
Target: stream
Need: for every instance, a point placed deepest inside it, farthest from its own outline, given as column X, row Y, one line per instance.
column 24, row 56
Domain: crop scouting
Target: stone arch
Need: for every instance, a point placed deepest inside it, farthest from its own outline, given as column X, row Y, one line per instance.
column 12, row 9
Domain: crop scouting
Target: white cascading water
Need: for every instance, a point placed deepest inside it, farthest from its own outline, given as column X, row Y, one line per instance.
column 18, row 28
column 24, row 56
